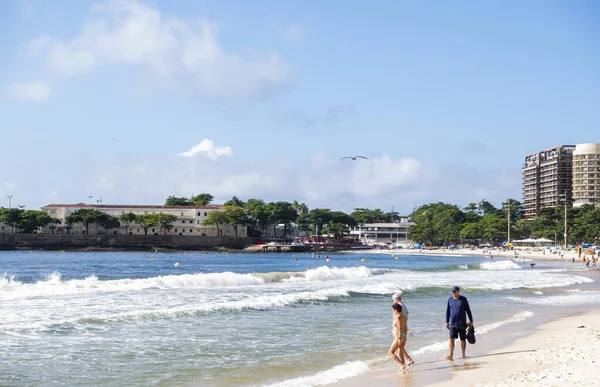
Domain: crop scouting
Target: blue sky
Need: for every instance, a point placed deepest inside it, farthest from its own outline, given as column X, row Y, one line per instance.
column 445, row 98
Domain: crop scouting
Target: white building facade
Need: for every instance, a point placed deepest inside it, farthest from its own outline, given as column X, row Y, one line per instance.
column 189, row 220
column 383, row 233
column 586, row 174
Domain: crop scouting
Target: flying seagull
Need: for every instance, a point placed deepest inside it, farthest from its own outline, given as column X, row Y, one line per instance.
column 354, row 158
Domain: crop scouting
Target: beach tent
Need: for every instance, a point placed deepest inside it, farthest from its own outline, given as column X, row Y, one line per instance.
column 586, row 245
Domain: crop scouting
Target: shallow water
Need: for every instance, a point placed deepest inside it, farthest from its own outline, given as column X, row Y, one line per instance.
column 134, row 319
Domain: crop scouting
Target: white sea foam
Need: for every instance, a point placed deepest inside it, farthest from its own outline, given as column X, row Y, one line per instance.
column 325, row 273
column 442, row 345
column 573, row 298
column 333, row 375
column 463, row 267
column 499, row 265
column 53, row 285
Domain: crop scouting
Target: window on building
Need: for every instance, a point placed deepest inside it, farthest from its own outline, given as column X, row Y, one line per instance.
column 191, row 222
column 199, row 213
column 146, row 212
column 175, row 230
column 205, row 214
column 153, row 230
column 183, row 230
column 182, row 214
column 191, row 230
column 198, row 222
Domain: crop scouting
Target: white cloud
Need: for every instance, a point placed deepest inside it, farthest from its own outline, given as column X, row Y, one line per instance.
column 29, row 91
column 183, row 52
column 208, row 148
column 321, row 181
column 293, row 31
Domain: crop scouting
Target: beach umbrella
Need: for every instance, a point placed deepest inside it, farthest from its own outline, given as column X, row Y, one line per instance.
column 586, row 245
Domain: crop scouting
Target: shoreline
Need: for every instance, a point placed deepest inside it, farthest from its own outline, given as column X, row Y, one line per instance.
column 508, row 355
column 506, row 358
column 522, row 253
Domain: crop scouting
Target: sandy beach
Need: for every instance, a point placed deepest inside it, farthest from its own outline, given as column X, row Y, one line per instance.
column 551, row 350
column 562, row 352
column 518, row 253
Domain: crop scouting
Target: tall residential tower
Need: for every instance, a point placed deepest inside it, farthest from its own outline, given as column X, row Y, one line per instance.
column 547, row 179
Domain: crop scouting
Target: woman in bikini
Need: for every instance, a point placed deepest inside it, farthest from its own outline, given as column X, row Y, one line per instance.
column 399, row 333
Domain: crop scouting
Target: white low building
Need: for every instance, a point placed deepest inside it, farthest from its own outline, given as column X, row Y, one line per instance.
column 376, row 233
column 189, row 220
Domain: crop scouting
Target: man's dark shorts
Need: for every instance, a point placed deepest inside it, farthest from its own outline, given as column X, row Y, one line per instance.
column 458, row 331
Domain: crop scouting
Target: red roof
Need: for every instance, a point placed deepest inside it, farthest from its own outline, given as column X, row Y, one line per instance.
column 83, row 205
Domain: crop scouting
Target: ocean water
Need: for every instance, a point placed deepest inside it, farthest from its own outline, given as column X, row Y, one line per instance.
column 135, row 319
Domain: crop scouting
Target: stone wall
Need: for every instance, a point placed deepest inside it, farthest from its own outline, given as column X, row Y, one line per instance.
column 119, row 242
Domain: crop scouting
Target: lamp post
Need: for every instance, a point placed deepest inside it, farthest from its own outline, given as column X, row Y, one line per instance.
column 508, row 218
column 9, row 200
column 565, row 201
column 565, row 219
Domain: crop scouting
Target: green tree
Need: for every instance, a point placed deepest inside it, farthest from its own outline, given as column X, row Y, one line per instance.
column 86, row 216
column 586, row 225
column 516, row 209
column 32, row 220
column 282, row 213
column 486, row 207
column 472, row 230
column 437, row 223
column 365, row 215
column 108, row 222
column 215, row 218
column 304, row 223
column 320, row 218
column 236, row 216
column 234, row 201
column 165, row 221
column 11, row 217
column 301, row 208
column 342, row 218
column 202, row 200
column 471, row 207
column 175, row 201
column 147, row 221
column 338, row 230
column 495, row 226
column 259, row 214
column 128, row 219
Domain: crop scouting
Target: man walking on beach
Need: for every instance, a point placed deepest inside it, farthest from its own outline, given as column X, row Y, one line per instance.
column 397, row 299
column 457, row 310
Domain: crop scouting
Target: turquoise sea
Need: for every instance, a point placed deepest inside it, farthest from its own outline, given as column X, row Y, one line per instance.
column 135, row 319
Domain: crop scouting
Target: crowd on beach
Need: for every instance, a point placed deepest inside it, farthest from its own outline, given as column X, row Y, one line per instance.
column 457, row 311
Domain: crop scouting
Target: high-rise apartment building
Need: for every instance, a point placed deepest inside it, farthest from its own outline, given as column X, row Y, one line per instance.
column 586, row 174
column 547, row 179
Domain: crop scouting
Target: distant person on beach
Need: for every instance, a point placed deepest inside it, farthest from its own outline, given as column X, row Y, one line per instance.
column 457, row 310
column 397, row 299
column 399, row 333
